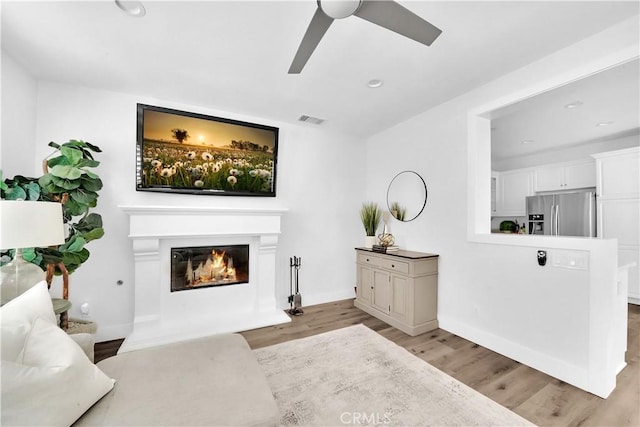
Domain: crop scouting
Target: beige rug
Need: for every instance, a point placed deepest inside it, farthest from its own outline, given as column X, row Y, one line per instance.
column 354, row 376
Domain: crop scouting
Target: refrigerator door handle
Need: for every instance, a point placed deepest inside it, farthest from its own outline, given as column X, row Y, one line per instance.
column 556, row 219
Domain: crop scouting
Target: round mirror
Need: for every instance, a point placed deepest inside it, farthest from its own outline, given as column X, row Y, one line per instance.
column 406, row 196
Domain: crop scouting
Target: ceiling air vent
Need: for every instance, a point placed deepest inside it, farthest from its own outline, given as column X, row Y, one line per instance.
column 311, row 119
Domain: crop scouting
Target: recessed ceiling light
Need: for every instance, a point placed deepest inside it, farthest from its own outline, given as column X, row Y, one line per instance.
column 131, row 7
column 527, row 141
column 374, row 83
column 574, row 104
column 602, row 124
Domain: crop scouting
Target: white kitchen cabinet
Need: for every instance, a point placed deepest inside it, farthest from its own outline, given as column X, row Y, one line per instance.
column 565, row 176
column 620, row 219
column 618, row 196
column 618, row 174
column 400, row 288
column 494, row 192
column 581, row 175
column 513, row 189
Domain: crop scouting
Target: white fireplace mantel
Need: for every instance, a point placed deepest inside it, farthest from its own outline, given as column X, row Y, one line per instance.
column 150, row 221
column 162, row 316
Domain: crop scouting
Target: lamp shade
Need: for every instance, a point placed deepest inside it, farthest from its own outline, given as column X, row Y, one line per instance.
column 27, row 224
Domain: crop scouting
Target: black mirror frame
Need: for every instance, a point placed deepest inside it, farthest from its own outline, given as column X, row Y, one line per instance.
column 426, row 195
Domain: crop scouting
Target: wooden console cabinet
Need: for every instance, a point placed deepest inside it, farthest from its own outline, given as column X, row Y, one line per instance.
column 400, row 288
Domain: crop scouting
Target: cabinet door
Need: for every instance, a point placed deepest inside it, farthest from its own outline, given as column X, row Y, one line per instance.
column 400, row 301
column 514, row 189
column 580, row 176
column 620, row 219
column 382, row 291
column 494, row 192
column 549, row 179
column 619, row 176
column 365, row 283
column 628, row 256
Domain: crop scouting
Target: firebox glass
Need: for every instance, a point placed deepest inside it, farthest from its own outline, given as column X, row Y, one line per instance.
column 207, row 266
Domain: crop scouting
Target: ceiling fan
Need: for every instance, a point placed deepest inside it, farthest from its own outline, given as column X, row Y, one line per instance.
column 387, row 14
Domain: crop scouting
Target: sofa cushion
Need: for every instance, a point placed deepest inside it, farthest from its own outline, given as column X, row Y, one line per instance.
column 46, row 377
column 20, row 314
column 204, row 382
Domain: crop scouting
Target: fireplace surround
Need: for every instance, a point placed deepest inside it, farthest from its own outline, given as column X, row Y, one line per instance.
column 161, row 316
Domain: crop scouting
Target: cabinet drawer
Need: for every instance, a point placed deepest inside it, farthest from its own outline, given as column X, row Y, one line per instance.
column 386, row 263
column 369, row 260
column 392, row 264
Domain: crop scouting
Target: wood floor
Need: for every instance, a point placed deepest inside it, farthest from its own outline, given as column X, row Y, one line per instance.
column 541, row 399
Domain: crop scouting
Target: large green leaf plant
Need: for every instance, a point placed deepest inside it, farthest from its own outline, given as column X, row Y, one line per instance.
column 70, row 181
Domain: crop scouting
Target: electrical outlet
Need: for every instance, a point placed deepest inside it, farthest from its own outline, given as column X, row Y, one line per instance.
column 84, row 309
column 574, row 260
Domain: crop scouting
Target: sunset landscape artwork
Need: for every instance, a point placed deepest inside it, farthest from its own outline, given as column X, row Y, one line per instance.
column 198, row 154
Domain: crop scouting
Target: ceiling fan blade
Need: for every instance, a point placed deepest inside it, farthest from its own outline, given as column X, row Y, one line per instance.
column 317, row 27
column 395, row 17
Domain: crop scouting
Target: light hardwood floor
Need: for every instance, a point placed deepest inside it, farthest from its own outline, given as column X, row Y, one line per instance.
column 537, row 397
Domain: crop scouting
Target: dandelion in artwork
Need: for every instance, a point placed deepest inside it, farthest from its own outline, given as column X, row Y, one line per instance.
column 168, row 164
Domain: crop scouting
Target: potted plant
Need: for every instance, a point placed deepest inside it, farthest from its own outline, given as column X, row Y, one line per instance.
column 370, row 215
column 67, row 179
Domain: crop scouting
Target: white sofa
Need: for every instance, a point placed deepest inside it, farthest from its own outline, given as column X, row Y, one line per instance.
column 47, row 379
column 205, row 382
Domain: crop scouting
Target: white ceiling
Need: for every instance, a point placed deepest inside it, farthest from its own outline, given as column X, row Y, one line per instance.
column 234, row 55
column 611, row 96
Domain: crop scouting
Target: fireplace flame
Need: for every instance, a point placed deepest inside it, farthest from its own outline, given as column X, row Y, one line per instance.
column 217, row 269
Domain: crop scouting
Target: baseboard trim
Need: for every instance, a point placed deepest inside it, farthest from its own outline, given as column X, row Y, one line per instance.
column 572, row 374
column 323, row 298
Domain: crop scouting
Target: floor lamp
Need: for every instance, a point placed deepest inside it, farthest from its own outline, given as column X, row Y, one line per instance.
column 26, row 224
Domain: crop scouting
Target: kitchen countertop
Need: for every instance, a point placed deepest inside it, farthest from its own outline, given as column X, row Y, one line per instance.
column 504, row 232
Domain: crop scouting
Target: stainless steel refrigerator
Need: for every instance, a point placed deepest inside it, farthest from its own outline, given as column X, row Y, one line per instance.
column 563, row 214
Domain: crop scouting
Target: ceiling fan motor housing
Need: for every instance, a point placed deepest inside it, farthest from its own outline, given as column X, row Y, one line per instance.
column 338, row 9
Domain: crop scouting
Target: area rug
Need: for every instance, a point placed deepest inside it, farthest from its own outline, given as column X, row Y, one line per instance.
column 354, row 376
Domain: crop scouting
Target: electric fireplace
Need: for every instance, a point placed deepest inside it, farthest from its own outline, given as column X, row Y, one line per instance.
column 207, row 266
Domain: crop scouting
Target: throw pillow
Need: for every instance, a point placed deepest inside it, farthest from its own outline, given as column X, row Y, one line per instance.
column 19, row 314
column 50, row 381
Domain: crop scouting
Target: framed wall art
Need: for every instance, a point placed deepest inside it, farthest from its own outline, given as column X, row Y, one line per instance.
column 182, row 152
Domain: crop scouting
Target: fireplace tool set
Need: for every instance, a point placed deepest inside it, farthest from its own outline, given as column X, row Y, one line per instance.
column 295, row 299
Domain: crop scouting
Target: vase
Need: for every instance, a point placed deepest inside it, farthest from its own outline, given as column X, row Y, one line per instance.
column 369, row 241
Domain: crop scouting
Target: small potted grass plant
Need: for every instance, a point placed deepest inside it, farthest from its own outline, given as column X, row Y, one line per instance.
column 398, row 211
column 370, row 215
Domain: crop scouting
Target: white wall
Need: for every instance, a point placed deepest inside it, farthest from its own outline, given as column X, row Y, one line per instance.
column 17, row 144
column 495, row 294
column 320, row 179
